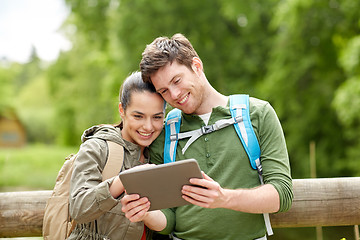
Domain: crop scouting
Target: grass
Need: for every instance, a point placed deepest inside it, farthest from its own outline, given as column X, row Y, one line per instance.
column 33, row 167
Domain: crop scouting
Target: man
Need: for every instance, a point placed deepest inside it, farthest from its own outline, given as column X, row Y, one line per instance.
column 229, row 204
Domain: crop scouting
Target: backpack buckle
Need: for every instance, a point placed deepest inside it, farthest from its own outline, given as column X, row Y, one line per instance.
column 238, row 119
column 207, row 129
column 174, row 137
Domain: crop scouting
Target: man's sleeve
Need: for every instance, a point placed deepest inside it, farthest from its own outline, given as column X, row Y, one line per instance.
column 274, row 156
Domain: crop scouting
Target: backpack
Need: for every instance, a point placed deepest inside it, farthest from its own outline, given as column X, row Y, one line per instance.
column 239, row 109
column 57, row 223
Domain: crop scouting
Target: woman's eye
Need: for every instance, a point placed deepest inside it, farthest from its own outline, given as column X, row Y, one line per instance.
column 163, row 91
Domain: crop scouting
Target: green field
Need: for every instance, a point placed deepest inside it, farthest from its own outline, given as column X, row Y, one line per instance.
column 33, row 167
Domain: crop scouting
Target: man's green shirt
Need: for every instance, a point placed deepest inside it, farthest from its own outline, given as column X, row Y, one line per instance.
column 221, row 156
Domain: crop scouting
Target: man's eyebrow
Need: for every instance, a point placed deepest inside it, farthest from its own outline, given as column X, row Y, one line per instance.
column 172, row 79
column 159, row 90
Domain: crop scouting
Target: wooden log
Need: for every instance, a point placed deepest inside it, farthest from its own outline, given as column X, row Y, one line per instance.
column 322, row 202
column 317, row 202
column 21, row 213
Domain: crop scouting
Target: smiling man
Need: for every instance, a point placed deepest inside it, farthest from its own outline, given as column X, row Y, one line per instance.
column 230, row 200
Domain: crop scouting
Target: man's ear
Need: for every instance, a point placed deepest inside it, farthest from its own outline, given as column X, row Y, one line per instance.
column 197, row 65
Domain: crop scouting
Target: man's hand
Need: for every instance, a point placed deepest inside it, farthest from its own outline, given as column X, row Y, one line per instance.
column 209, row 195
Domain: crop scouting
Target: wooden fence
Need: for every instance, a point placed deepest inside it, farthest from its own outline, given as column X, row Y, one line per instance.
column 317, row 202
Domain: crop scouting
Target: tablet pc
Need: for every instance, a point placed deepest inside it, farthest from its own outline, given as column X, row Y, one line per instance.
column 161, row 184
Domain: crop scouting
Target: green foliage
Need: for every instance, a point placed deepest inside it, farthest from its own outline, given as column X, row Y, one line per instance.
column 84, row 91
column 35, row 110
column 221, row 32
column 347, row 101
column 300, row 55
column 7, row 92
column 303, row 72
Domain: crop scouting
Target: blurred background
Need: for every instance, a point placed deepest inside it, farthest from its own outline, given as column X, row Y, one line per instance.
column 303, row 56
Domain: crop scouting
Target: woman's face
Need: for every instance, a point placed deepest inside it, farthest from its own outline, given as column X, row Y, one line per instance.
column 143, row 118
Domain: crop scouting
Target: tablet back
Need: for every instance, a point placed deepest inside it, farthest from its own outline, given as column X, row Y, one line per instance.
column 161, row 184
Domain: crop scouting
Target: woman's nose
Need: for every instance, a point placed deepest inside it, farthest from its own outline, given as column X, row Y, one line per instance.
column 148, row 125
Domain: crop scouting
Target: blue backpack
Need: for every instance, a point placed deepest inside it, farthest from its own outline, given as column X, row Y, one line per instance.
column 239, row 109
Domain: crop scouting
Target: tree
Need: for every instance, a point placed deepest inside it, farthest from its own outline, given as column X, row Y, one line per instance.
column 303, row 74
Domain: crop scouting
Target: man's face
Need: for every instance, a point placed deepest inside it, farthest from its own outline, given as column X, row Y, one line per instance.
column 180, row 86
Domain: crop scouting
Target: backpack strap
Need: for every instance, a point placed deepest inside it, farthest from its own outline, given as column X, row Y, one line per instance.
column 239, row 107
column 172, row 128
column 115, row 160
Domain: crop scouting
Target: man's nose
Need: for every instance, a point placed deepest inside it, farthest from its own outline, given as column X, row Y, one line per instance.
column 175, row 92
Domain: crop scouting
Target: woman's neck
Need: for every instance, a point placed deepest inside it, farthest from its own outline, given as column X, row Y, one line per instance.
column 142, row 156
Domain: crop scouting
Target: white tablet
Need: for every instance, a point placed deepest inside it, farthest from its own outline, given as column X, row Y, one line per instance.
column 161, row 184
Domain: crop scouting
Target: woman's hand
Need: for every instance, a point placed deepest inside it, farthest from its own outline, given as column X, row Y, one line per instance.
column 136, row 210
column 134, row 207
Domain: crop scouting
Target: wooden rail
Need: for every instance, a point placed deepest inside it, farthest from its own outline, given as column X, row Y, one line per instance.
column 317, row 202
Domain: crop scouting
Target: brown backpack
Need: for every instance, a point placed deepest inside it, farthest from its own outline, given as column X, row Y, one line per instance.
column 57, row 223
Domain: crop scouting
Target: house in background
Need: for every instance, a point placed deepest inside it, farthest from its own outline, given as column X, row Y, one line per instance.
column 12, row 132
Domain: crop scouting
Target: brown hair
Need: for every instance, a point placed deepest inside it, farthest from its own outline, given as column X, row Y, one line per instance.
column 163, row 51
column 133, row 83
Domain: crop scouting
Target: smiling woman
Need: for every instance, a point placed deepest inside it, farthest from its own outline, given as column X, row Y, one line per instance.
column 27, row 24
column 94, row 202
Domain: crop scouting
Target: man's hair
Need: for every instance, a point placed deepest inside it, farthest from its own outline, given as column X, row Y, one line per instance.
column 163, row 51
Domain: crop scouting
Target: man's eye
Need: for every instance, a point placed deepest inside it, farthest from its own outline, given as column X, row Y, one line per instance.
column 177, row 80
column 137, row 116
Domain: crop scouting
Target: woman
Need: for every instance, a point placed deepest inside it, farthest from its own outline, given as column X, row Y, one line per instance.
column 95, row 204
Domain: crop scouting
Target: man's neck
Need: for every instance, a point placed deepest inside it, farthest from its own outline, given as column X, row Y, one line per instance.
column 212, row 99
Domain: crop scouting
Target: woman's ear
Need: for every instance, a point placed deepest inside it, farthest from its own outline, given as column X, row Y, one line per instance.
column 121, row 111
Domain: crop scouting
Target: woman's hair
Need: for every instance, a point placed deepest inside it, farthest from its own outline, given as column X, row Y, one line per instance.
column 163, row 51
column 133, row 83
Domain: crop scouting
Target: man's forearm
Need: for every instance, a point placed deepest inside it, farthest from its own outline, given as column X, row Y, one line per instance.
column 262, row 199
